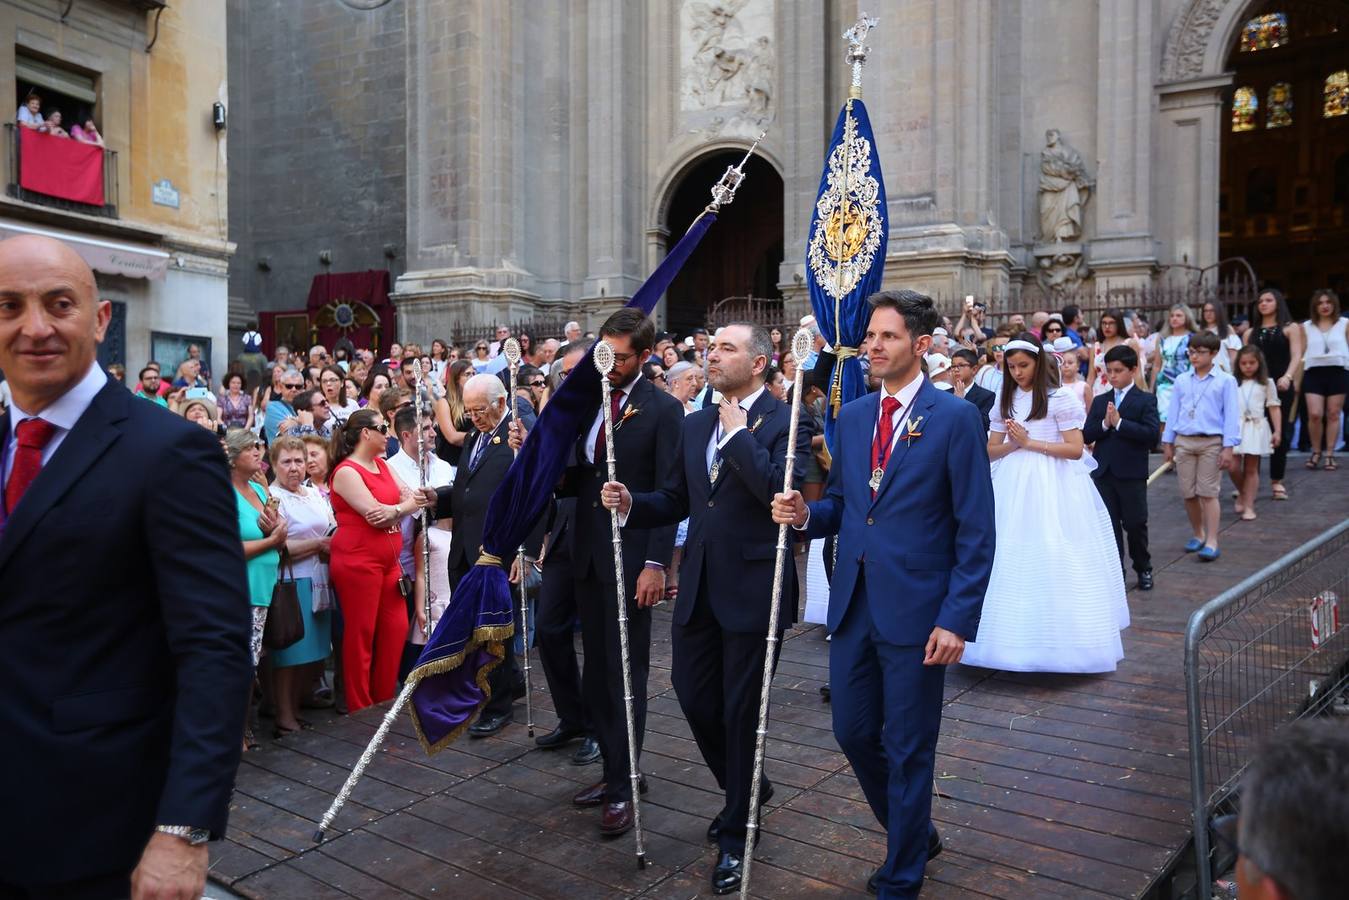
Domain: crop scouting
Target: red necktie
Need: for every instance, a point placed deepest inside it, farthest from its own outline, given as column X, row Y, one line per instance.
column 615, row 400
column 33, row 435
column 885, row 431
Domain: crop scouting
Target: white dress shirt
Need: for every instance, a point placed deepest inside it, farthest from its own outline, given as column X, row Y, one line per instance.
column 64, row 413
column 438, row 472
column 718, row 439
column 596, row 425
column 905, row 395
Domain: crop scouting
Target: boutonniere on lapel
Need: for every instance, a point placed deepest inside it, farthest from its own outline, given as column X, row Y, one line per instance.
column 755, row 427
column 912, row 430
column 496, row 438
column 628, row 412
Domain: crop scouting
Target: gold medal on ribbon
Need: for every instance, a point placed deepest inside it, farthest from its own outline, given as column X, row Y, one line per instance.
column 713, row 472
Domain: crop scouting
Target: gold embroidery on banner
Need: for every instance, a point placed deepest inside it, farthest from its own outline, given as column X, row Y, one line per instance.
column 847, row 232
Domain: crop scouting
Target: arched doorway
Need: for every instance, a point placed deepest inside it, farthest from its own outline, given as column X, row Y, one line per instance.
column 740, row 255
column 1284, row 193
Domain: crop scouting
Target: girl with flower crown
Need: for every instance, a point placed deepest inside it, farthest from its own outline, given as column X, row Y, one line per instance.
column 1046, row 508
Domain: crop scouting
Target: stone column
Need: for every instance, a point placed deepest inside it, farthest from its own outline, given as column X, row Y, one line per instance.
column 1190, row 123
column 933, row 114
column 616, row 89
column 465, row 153
column 804, row 119
column 1123, row 252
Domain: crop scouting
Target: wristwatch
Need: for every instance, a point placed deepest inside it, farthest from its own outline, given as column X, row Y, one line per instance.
column 192, row 835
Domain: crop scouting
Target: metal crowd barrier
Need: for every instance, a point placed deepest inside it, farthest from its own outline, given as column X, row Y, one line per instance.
column 1258, row 656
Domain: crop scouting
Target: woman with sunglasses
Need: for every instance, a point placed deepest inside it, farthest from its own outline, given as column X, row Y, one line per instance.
column 368, row 500
column 481, row 356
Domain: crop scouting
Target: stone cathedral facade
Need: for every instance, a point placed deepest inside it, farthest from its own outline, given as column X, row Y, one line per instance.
column 549, row 152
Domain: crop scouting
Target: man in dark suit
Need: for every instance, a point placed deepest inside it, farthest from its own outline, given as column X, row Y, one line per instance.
column 646, row 430
column 555, row 620
column 1123, row 424
column 124, row 626
column 731, row 463
column 964, row 363
column 911, row 500
column 482, row 466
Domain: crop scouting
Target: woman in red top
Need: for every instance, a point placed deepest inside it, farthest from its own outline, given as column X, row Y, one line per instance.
column 368, row 500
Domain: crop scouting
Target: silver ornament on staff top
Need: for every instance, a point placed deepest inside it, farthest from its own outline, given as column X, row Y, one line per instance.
column 604, row 362
column 511, row 350
column 801, row 346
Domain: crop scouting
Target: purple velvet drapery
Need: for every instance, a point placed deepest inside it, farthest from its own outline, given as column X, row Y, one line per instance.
column 451, row 674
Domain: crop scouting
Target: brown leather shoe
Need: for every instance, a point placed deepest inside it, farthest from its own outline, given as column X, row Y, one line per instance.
column 591, row 796
column 616, row 819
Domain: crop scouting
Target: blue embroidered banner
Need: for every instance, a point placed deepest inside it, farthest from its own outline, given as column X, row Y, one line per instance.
column 845, row 255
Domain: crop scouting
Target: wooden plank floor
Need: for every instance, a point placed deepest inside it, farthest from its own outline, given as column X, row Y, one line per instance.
column 1047, row 786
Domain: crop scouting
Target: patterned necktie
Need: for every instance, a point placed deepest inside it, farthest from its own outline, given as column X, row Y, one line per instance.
column 33, row 435
column 880, row 447
column 615, row 401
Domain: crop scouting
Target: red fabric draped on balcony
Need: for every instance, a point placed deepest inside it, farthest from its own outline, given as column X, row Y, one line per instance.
column 60, row 167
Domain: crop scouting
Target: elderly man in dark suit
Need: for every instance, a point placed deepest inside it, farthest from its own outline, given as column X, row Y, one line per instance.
column 482, row 466
column 124, row 625
column 731, row 463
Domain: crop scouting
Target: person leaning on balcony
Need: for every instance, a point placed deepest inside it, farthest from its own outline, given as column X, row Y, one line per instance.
column 87, row 133
column 30, row 113
column 53, row 125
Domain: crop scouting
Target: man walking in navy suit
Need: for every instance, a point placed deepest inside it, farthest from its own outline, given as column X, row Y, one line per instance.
column 124, row 624
column 911, row 501
column 1123, row 424
column 730, row 464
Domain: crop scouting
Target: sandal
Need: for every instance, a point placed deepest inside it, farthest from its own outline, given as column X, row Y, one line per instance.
column 1315, row 461
column 1248, row 516
column 1279, row 492
column 1330, row 463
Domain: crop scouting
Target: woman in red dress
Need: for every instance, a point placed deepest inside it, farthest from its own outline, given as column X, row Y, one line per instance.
column 368, row 500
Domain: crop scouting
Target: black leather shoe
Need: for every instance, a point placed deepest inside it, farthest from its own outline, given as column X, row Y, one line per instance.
column 714, row 829
column 934, row 849
column 587, row 753
column 489, row 725
column 1145, row 580
column 726, row 874
column 557, row 737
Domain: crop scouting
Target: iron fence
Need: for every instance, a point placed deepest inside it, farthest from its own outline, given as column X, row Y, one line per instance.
column 1257, row 658
column 465, row 334
column 15, row 189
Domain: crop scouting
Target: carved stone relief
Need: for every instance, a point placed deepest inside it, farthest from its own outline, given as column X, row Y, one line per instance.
column 728, row 65
column 1183, row 56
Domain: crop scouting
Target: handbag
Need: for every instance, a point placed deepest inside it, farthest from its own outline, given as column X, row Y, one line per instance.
column 285, row 624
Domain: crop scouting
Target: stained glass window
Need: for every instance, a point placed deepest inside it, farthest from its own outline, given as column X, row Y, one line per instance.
column 1337, row 94
column 1279, row 112
column 1245, row 105
column 1265, row 32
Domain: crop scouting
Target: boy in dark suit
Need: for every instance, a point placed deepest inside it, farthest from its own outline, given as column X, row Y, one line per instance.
column 1123, row 424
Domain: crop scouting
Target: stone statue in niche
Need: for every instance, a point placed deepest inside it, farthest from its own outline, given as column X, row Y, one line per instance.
column 1064, row 190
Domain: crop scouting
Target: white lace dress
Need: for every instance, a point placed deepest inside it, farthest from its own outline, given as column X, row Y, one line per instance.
column 1055, row 602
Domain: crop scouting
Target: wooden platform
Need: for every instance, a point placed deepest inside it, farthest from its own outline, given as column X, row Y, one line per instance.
column 1048, row 786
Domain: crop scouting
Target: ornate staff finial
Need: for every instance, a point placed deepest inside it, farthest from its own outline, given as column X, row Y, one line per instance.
column 723, row 192
column 857, row 51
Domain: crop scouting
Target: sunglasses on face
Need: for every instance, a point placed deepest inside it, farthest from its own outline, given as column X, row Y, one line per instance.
column 292, row 387
column 382, row 428
column 539, row 383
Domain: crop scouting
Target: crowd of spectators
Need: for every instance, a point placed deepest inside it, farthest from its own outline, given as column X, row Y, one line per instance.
column 50, row 120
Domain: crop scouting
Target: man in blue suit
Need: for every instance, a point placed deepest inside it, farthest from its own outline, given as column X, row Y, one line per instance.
column 731, row 462
column 911, row 501
column 124, row 618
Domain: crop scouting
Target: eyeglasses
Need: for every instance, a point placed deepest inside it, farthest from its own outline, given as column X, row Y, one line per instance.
column 323, row 403
column 382, row 428
column 477, row 411
column 621, row 359
column 293, row 387
column 1194, row 350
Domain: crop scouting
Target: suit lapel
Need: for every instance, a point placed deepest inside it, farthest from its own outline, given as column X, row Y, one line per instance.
column 922, row 407
column 757, row 412
column 80, row 449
